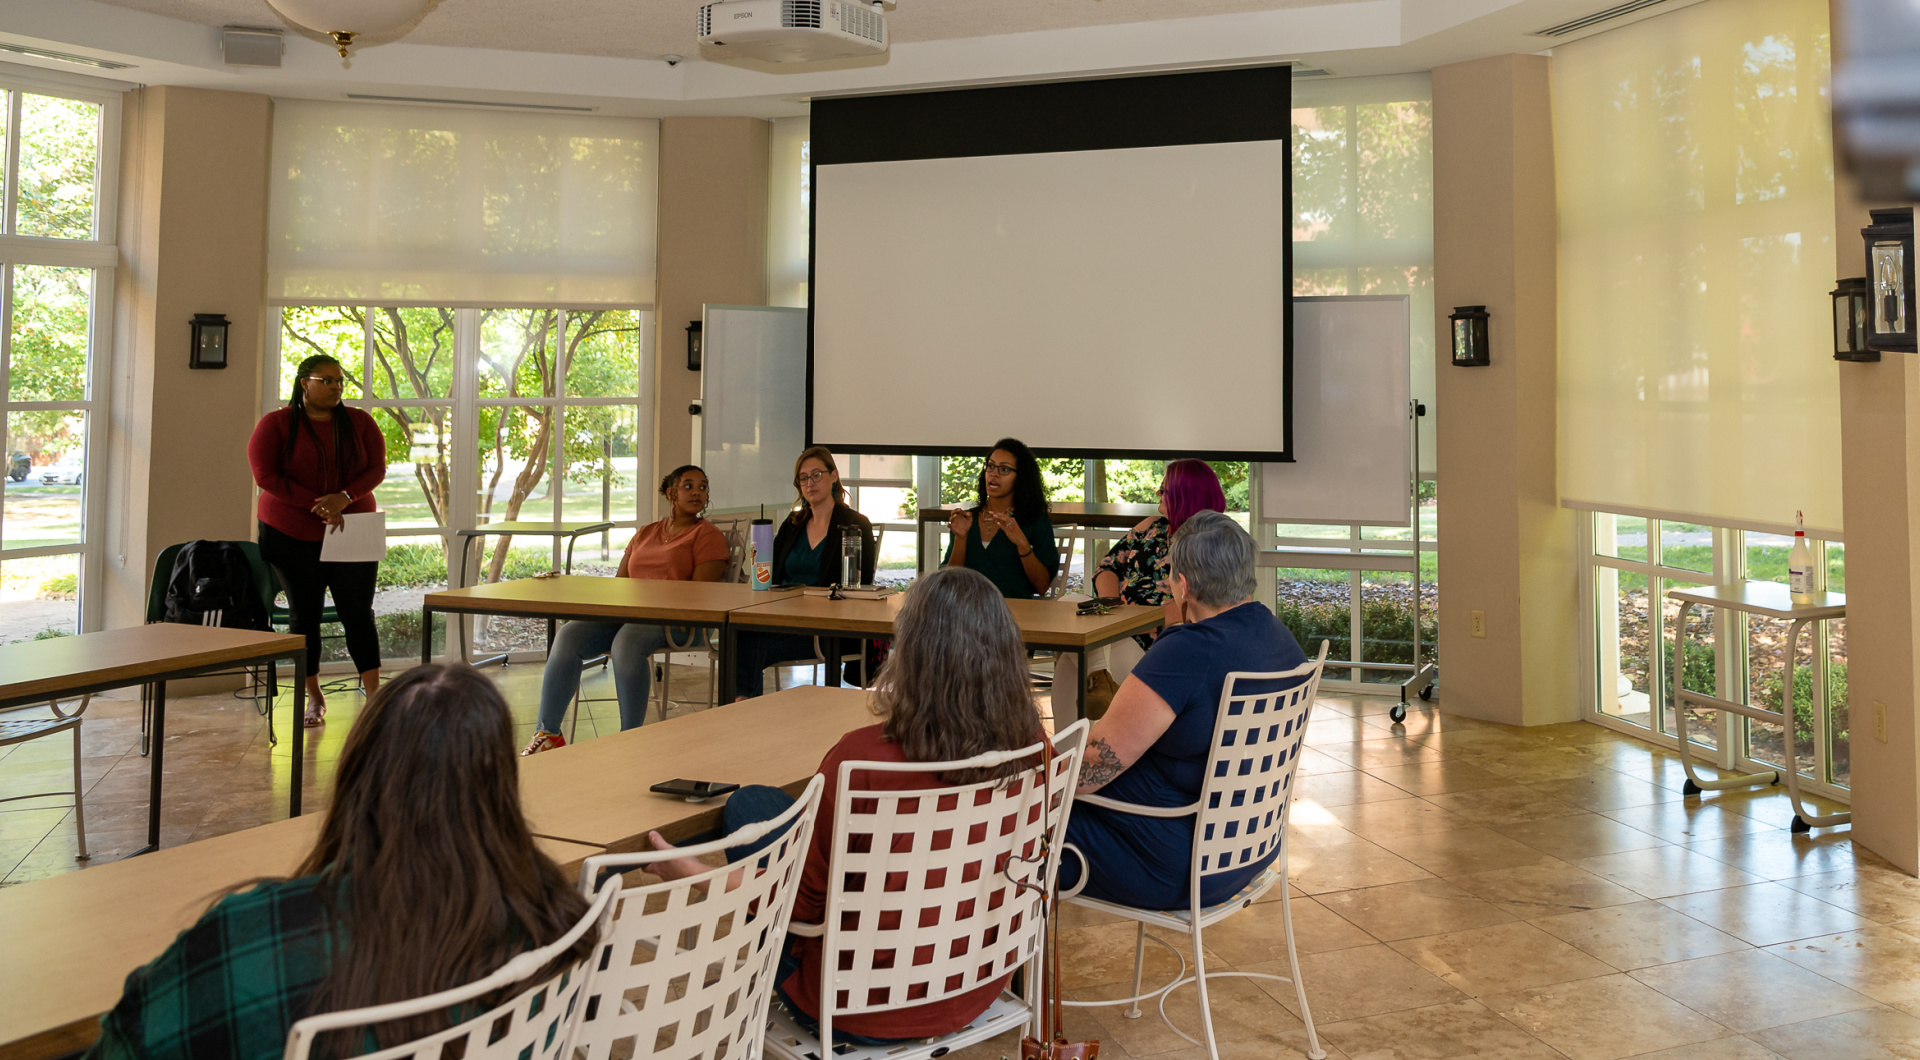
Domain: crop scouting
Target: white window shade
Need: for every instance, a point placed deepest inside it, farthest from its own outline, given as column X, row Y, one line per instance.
column 1696, row 233
column 373, row 203
column 787, row 225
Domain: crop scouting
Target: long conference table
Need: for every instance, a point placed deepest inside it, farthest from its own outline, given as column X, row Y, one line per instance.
column 1050, row 625
column 71, row 940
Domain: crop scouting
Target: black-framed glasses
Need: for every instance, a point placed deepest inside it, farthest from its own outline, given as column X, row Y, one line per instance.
column 810, row 477
column 1001, row 469
column 327, row 380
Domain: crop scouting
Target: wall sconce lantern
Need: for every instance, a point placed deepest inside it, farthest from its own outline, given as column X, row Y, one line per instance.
column 209, row 341
column 1890, row 308
column 1850, row 321
column 693, row 346
column 1469, row 335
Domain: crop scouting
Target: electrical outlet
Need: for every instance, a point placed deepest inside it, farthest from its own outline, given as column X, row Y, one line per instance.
column 1479, row 622
column 1880, row 722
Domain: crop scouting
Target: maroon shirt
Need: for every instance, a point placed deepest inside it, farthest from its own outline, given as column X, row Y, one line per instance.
column 868, row 744
column 286, row 500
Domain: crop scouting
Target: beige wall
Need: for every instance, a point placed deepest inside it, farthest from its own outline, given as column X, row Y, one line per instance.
column 713, row 250
column 193, row 216
column 1508, row 545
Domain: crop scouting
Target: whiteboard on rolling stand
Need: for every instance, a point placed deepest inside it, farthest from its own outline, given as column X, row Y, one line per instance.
column 753, row 402
column 1352, row 440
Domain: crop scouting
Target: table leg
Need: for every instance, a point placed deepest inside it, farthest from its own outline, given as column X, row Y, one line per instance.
column 298, row 717
column 155, row 766
column 729, row 651
column 1079, row 689
column 830, row 647
column 1695, row 784
column 426, row 635
column 1802, row 820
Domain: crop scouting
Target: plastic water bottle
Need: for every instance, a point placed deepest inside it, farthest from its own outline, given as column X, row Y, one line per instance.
column 850, row 556
column 1800, row 563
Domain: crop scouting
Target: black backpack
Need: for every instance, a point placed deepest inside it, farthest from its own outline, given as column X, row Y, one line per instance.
column 212, row 585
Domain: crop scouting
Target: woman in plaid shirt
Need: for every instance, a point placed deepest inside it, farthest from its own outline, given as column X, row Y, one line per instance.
column 445, row 886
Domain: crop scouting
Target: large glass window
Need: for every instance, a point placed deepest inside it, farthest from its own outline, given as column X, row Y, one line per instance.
column 544, row 414
column 56, row 279
column 1631, row 563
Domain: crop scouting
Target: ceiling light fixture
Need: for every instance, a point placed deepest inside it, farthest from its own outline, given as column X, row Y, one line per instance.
column 65, row 57
column 346, row 21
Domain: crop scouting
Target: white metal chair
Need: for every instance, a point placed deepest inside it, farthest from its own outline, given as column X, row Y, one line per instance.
column 21, row 730
column 1240, row 817
column 690, row 964
column 918, row 926
column 538, row 1021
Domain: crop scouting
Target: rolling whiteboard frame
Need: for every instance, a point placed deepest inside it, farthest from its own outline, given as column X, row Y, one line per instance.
column 753, row 366
column 1353, row 454
column 1161, row 110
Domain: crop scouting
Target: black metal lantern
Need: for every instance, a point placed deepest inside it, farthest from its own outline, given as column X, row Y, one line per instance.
column 209, row 341
column 1890, row 309
column 693, row 346
column 1850, row 321
column 1469, row 335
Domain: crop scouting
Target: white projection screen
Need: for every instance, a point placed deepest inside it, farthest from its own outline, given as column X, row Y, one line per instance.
column 1084, row 266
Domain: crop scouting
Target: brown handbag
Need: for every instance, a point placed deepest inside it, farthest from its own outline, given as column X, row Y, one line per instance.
column 1052, row 1044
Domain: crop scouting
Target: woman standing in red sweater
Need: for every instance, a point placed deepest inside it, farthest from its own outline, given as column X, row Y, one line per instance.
column 315, row 461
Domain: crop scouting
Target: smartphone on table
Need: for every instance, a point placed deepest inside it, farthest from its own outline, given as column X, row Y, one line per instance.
column 694, row 790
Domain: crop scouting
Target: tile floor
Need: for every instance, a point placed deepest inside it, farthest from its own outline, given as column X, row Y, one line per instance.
column 1461, row 890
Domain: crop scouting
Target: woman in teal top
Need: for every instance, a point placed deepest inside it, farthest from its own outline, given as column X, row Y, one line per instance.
column 1008, row 536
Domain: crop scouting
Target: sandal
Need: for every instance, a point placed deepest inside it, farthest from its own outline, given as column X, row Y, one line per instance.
column 316, row 714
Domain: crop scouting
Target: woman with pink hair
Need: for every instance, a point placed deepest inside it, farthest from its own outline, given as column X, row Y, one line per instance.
column 1136, row 569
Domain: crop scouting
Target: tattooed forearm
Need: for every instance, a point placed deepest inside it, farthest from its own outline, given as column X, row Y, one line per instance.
column 1099, row 766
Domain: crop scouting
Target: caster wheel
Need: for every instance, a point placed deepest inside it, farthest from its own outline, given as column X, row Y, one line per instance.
column 1398, row 713
column 1799, row 825
column 1427, row 693
column 1690, row 788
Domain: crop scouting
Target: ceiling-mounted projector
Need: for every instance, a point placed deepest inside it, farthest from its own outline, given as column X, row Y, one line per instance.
column 794, row 31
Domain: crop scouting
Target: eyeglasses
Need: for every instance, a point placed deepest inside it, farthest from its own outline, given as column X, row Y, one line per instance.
column 810, row 477
column 1001, row 469
column 328, row 380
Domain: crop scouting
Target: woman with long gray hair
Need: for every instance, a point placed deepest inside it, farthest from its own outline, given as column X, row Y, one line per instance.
column 954, row 687
column 1151, row 746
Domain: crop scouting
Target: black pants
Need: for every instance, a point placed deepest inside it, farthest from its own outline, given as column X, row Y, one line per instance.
column 308, row 581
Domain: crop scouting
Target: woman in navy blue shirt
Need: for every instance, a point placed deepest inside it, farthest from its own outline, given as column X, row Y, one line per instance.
column 1151, row 747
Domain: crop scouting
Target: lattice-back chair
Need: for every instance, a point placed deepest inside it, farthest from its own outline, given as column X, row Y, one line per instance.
column 1240, row 818
column 689, row 965
column 536, row 1023
column 1058, row 586
column 21, row 730
column 942, row 917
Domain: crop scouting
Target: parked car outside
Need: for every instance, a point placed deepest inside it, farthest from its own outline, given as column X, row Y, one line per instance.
column 63, row 473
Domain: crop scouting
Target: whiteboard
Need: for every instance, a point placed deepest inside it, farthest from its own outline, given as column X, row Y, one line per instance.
column 1352, row 444
column 753, row 409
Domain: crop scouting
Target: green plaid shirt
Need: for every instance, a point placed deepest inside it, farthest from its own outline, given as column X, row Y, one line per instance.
column 231, row 985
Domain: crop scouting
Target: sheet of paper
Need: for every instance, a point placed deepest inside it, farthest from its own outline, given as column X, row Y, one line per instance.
column 362, row 540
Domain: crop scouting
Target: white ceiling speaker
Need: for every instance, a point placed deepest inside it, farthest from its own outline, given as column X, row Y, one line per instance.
column 346, row 21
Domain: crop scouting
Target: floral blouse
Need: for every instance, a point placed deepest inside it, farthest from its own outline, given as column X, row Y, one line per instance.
column 1139, row 560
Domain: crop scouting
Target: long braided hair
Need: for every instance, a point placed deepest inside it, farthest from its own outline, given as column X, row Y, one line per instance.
column 346, row 449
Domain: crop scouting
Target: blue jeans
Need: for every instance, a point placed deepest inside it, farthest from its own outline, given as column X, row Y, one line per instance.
column 751, row 805
column 630, row 646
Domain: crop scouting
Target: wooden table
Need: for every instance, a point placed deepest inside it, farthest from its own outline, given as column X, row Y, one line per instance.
column 571, row 531
column 72, row 939
column 1772, row 600
column 605, row 599
column 1052, row 625
column 61, row 667
column 596, row 792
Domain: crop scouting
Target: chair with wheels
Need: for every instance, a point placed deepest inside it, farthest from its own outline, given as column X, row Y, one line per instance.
column 950, row 915
column 692, row 961
column 1240, row 817
column 537, row 1021
column 23, row 730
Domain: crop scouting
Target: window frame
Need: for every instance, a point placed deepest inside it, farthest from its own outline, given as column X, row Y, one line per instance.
column 99, row 254
column 1732, row 671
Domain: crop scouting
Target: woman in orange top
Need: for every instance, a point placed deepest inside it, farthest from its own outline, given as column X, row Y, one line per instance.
column 681, row 547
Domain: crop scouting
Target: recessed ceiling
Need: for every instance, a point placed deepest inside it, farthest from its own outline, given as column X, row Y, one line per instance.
column 648, row 29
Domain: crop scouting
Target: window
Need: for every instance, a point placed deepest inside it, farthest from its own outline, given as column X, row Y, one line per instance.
column 543, row 414
column 56, row 283
column 1629, row 562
